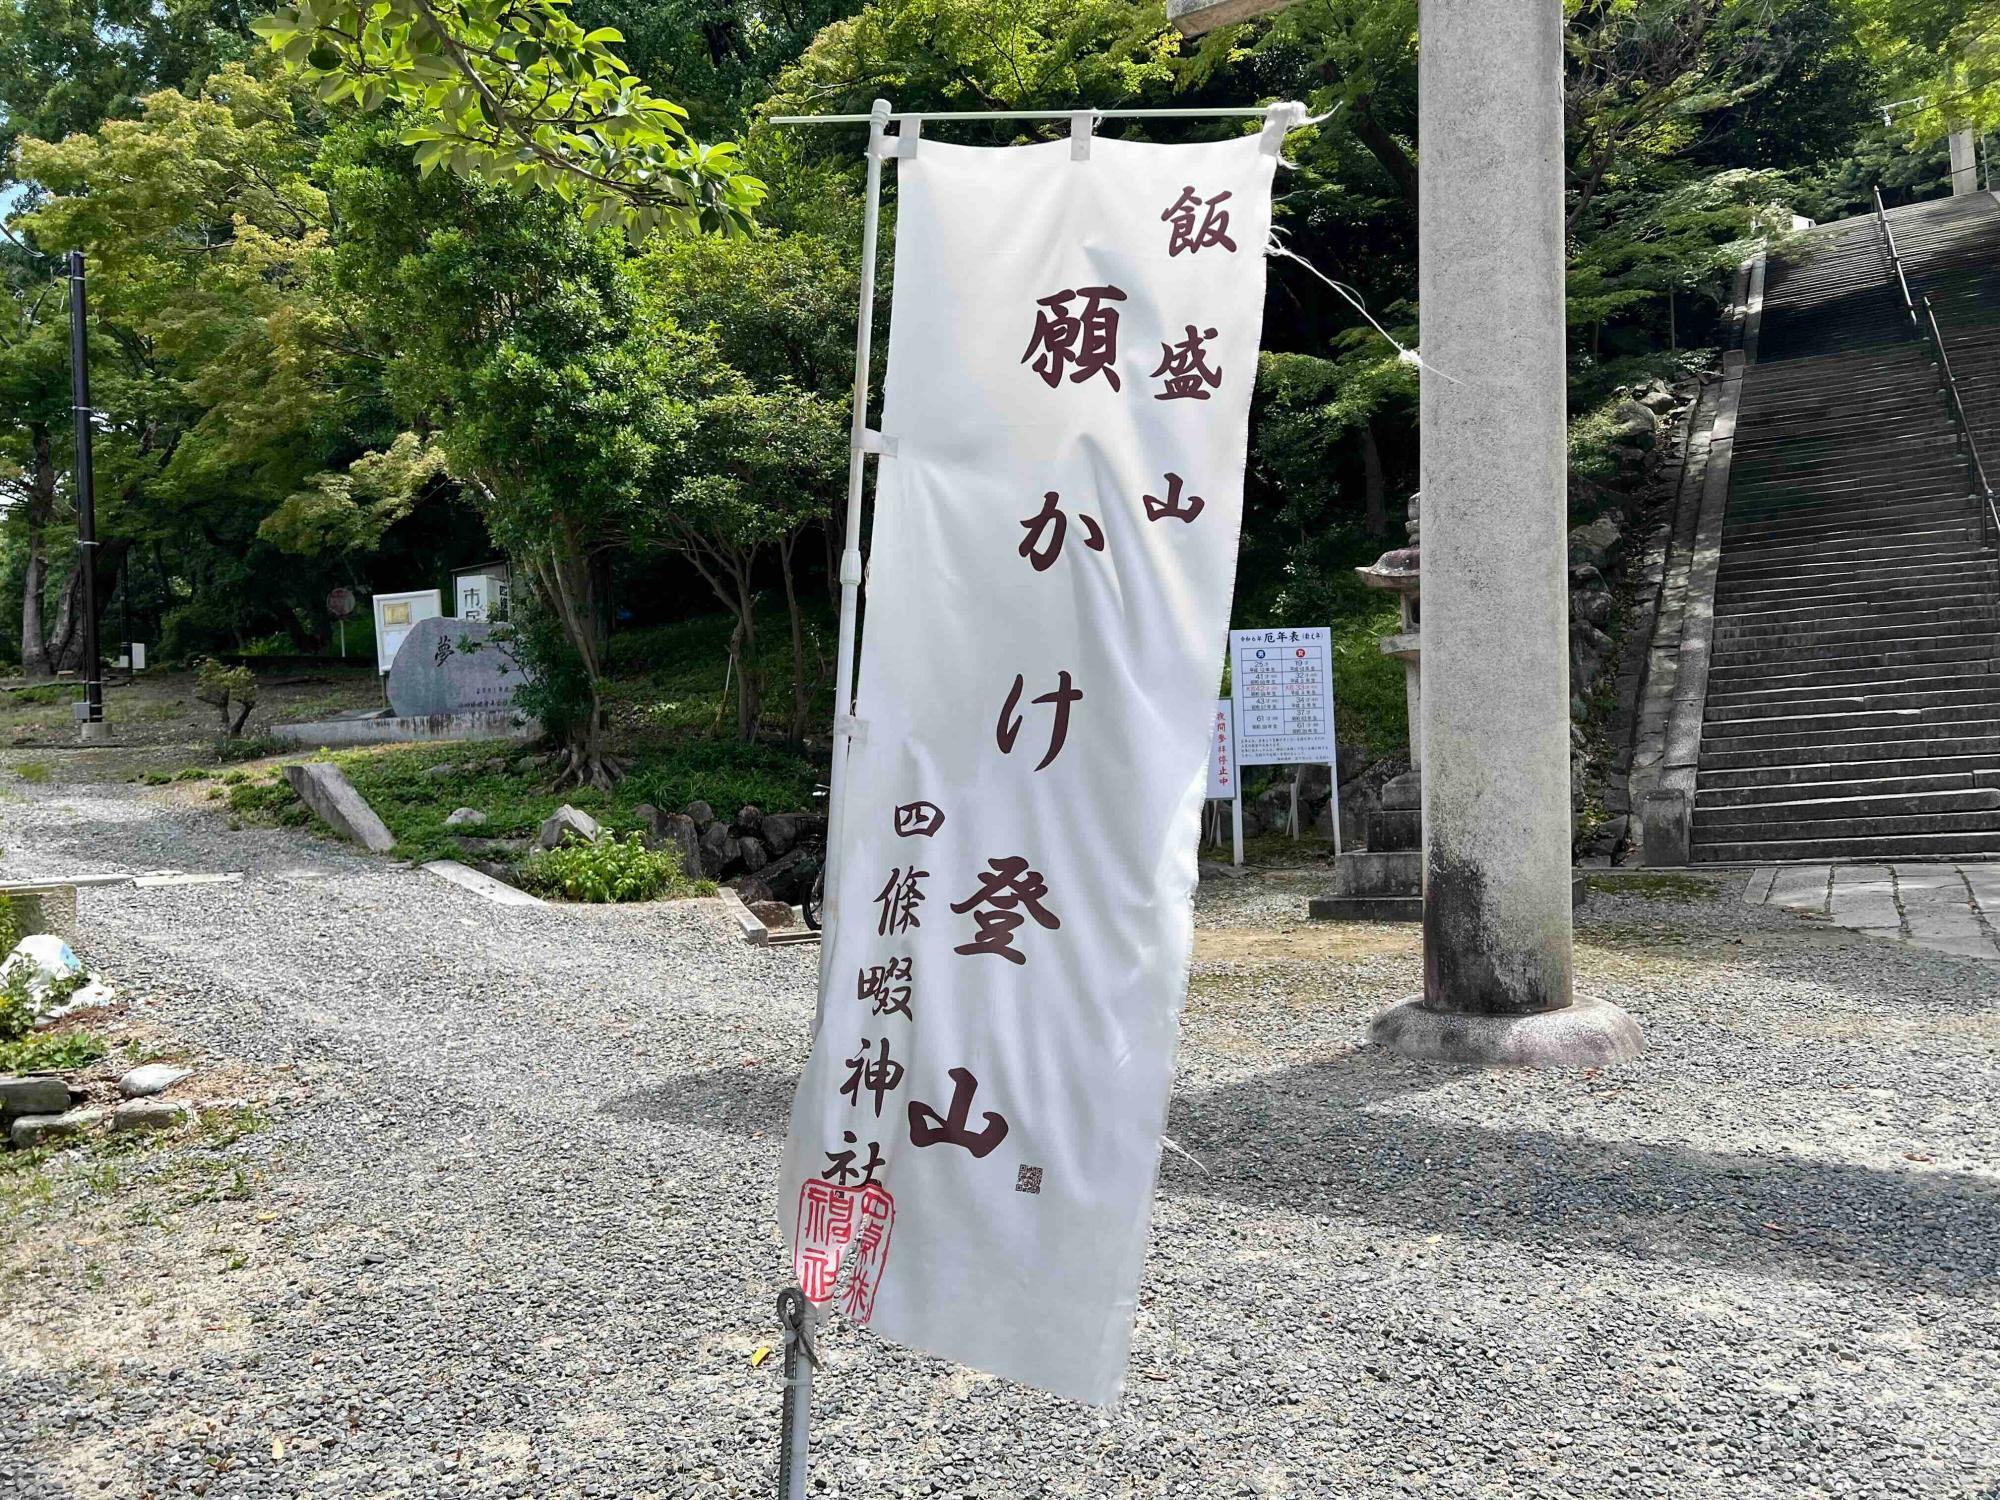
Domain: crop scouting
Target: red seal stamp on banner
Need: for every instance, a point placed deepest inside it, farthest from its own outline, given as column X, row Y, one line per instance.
column 832, row 1221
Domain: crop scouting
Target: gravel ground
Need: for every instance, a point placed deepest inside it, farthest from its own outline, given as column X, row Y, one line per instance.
column 514, row 1234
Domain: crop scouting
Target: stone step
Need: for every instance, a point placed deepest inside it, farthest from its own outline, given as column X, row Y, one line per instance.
column 1776, row 603
column 1902, row 790
column 1713, row 830
column 1953, row 543
column 1829, row 727
column 1977, row 769
column 1750, row 636
column 1965, row 739
column 1743, row 672
column 1922, row 693
column 1872, row 803
column 1862, row 848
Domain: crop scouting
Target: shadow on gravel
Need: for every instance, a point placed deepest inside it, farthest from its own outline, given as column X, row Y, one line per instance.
column 739, row 1100
column 1301, row 1140
column 1305, row 1140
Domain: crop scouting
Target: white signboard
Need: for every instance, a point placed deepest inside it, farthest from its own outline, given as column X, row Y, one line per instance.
column 395, row 614
column 480, row 595
column 1282, row 682
column 1222, row 753
column 974, row 1143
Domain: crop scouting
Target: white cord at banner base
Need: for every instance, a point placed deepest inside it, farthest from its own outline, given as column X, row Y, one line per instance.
column 1403, row 356
column 1179, row 1150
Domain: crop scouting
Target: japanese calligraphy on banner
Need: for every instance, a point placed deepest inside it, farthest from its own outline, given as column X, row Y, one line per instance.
column 1282, row 682
column 975, row 1139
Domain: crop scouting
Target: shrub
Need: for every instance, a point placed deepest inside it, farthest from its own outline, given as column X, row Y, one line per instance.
column 10, row 929
column 57, row 1052
column 252, row 747
column 226, row 687
column 610, row 869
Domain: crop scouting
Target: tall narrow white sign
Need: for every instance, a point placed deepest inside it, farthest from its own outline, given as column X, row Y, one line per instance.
column 974, row 1143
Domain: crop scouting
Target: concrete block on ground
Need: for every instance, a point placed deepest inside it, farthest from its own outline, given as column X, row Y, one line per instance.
column 1801, row 887
column 47, row 908
column 1665, row 818
column 327, row 791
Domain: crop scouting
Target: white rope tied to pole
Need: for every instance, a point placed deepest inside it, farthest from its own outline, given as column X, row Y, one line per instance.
column 1404, row 356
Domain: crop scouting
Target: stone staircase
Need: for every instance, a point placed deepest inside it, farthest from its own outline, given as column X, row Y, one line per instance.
column 1853, row 697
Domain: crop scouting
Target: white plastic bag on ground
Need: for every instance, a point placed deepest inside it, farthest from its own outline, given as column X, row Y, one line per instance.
column 52, row 976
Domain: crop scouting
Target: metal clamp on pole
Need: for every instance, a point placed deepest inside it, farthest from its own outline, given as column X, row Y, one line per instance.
column 795, row 1423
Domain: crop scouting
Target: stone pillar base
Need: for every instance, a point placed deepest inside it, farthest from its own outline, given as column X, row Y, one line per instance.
column 93, row 732
column 1587, row 1033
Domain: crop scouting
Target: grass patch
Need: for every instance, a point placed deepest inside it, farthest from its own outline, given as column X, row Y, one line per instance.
column 57, row 1052
column 44, row 693
column 413, row 796
column 33, row 770
column 671, row 678
column 1664, row 887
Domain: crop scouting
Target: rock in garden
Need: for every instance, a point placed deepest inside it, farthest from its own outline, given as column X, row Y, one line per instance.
column 35, row 1094
column 567, row 820
column 153, row 1078
column 493, row 766
column 753, row 854
column 149, row 1114
column 465, row 817
column 774, row 914
column 677, row 832
column 442, row 772
column 324, row 788
column 749, row 819
column 1592, row 545
column 720, row 849
column 702, row 814
column 780, row 831
column 1594, row 605
column 36, row 1130
column 1636, row 424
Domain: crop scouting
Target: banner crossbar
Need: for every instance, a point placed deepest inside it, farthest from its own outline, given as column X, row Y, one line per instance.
column 1237, row 112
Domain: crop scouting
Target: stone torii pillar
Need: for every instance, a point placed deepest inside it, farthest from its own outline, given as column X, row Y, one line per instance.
column 1495, row 705
column 1964, row 163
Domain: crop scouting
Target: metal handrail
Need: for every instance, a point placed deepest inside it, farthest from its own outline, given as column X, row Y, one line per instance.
column 1926, row 328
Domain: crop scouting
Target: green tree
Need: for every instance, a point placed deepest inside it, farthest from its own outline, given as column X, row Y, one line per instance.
column 521, row 340
column 516, row 94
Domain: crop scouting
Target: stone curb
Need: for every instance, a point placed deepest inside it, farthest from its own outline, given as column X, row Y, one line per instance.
column 748, row 927
column 1667, row 816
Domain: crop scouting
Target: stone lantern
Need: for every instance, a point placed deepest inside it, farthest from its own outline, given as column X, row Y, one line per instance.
column 1384, row 882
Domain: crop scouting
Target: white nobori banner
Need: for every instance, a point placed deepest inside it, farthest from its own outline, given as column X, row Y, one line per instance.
column 975, row 1140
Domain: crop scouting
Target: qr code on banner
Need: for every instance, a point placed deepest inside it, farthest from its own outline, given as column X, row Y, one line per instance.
column 1028, row 1180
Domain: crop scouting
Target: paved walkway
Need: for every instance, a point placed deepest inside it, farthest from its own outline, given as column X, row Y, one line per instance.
column 1947, row 908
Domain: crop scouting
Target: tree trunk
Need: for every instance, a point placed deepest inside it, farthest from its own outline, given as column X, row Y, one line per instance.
column 35, row 661
column 564, row 574
column 1371, row 477
column 749, row 686
column 66, row 642
column 801, row 697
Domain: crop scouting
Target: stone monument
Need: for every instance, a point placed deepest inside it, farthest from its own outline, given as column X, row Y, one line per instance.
column 449, row 666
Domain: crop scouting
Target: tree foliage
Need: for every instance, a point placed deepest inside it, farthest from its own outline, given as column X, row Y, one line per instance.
column 517, row 94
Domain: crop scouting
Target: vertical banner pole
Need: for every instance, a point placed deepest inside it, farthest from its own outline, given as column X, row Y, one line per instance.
column 850, row 556
column 795, row 1430
column 85, row 493
column 793, row 1309
column 1236, row 820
